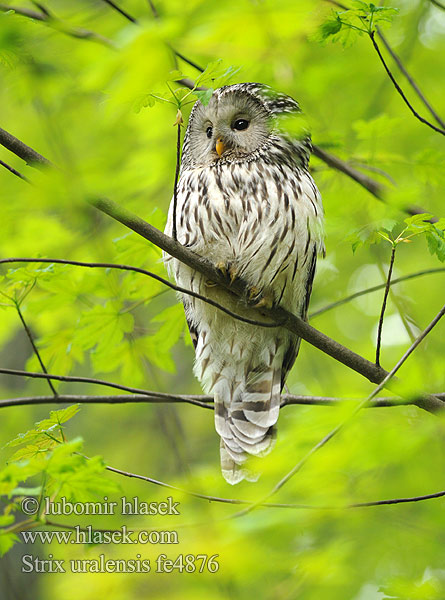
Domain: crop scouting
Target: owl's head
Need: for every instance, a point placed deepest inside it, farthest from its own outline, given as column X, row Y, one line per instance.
column 238, row 121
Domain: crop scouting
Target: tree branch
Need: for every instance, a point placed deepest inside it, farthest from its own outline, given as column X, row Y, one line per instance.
column 14, row 171
column 374, row 187
column 239, row 501
column 375, row 288
column 30, row 156
column 202, row 401
column 411, row 81
column 385, row 298
column 121, row 11
column 172, row 286
column 399, row 89
column 34, row 347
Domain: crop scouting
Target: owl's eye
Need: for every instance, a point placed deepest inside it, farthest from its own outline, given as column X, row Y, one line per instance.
column 209, row 132
column 240, row 124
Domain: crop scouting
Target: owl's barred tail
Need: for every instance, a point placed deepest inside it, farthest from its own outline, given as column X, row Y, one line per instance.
column 245, row 417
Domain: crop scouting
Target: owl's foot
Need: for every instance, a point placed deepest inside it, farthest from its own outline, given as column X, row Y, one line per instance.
column 228, row 270
column 255, row 299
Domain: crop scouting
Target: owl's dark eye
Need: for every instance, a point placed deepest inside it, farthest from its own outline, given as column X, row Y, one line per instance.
column 209, row 132
column 240, row 124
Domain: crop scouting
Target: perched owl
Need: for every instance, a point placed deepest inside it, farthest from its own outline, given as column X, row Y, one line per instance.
column 246, row 202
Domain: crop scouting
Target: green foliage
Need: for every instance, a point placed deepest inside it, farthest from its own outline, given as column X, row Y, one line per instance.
column 46, row 455
column 362, row 18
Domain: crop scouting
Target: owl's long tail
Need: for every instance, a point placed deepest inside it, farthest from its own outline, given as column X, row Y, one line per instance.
column 246, row 411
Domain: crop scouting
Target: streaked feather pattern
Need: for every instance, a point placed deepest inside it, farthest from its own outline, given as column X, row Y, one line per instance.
column 259, row 212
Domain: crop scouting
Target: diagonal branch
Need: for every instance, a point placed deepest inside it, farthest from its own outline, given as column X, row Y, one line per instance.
column 399, row 89
column 34, row 347
column 172, row 247
column 373, row 186
column 172, row 286
column 94, row 381
column 57, row 24
column 375, row 288
column 26, row 153
column 14, row 171
column 385, row 299
column 411, row 81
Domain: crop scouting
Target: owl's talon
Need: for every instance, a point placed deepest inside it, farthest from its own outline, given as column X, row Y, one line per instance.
column 264, row 302
column 209, row 283
column 256, row 300
column 233, row 273
column 222, row 266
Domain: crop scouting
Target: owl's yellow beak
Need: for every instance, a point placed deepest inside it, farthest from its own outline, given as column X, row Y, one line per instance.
column 219, row 147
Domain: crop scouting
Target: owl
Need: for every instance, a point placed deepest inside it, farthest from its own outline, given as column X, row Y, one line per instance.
column 246, row 202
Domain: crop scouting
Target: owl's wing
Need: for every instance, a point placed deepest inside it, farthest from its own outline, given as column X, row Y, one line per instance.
column 193, row 328
column 292, row 350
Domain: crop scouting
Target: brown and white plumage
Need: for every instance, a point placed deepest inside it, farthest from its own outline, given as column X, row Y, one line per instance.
column 245, row 199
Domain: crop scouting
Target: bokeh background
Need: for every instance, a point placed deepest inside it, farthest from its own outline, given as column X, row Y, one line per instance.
column 83, row 103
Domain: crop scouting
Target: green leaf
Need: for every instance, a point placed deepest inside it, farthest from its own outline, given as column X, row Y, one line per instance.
column 204, row 96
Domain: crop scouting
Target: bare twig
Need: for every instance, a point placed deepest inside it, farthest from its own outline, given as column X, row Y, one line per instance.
column 30, row 156
column 385, row 298
column 178, row 164
column 399, row 89
column 172, row 286
column 34, row 347
column 270, row 504
column 91, row 380
column 153, row 9
column 198, row 400
column 438, row 4
column 375, row 288
column 14, row 171
column 413, row 84
column 57, row 24
column 120, row 10
column 373, row 186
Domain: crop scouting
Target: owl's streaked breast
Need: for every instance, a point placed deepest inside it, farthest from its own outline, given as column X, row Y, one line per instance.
column 259, row 217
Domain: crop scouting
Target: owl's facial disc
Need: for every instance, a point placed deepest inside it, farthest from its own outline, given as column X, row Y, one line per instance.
column 233, row 125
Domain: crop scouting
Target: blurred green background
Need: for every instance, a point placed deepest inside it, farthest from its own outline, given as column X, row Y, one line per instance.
column 81, row 103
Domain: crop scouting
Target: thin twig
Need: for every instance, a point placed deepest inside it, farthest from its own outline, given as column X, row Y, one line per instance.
column 153, row 9
column 399, row 89
column 375, row 288
column 203, row 401
column 30, row 156
column 175, row 188
column 34, row 347
column 91, row 380
column 121, row 11
column 411, row 81
column 438, row 4
column 146, row 398
column 373, row 186
column 345, row 421
column 172, row 286
column 14, row 171
column 270, row 504
column 385, row 298
column 57, row 24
